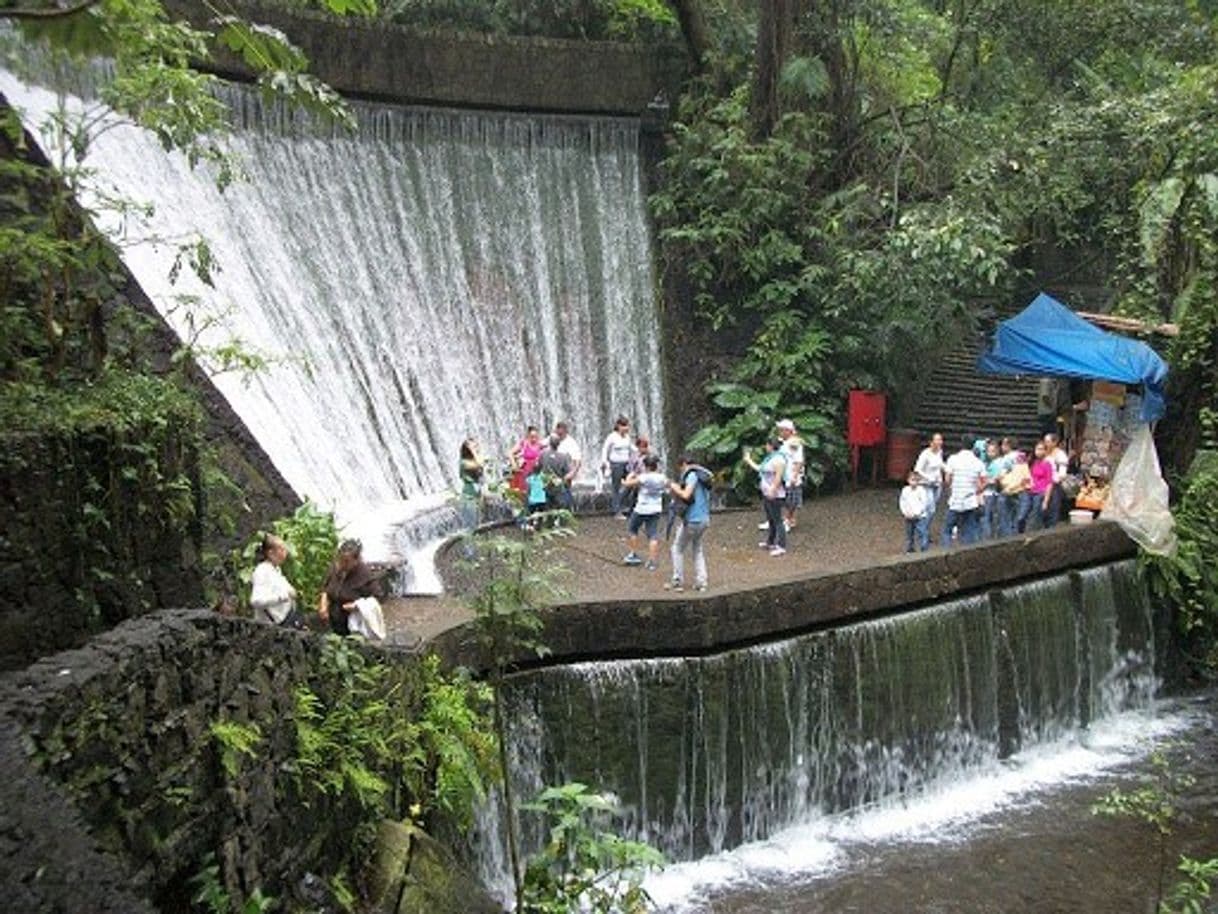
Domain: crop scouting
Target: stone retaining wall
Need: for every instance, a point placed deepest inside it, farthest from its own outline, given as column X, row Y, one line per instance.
column 371, row 58
column 112, row 774
column 683, row 625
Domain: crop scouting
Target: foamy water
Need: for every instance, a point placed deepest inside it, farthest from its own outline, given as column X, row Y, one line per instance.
column 943, row 813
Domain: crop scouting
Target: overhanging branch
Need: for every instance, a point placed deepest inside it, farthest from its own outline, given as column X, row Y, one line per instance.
column 50, row 12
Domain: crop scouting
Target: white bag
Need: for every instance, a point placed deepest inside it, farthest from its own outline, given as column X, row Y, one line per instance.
column 1138, row 500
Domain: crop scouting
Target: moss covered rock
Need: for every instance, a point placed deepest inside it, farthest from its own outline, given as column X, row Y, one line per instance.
column 413, row 874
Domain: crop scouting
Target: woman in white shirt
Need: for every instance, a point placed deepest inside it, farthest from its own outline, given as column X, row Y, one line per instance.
column 272, row 598
column 616, row 453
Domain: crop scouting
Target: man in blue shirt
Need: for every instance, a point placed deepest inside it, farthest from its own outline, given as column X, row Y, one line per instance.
column 692, row 490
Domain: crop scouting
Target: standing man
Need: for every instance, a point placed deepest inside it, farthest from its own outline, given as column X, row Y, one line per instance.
column 929, row 468
column 793, row 455
column 965, row 478
column 557, row 469
column 568, row 446
column 692, row 488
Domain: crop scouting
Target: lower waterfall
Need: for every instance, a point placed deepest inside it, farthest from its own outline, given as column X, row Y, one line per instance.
column 705, row 754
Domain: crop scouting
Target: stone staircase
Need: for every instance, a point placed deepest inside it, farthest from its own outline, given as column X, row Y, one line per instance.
column 958, row 401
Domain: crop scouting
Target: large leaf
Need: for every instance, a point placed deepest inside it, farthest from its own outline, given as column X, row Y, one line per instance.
column 262, row 47
column 705, row 438
column 733, row 396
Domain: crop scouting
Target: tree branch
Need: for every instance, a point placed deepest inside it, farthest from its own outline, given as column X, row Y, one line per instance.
column 51, row 12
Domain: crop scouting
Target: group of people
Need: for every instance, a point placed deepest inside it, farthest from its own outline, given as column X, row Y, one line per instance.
column 993, row 488
column 543, row 471
column 990, row 488
column 348, row 594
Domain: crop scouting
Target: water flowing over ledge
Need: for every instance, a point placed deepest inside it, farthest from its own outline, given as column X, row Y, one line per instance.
column 710, row 753
column 435, row 275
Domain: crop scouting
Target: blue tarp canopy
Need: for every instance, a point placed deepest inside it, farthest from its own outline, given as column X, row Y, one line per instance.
column 1049, row 340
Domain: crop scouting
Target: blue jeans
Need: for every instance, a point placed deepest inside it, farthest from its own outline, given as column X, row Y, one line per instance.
column 1051, row 515
column 468, row 510
column 968, row 523
column 917, row 532
column 1008, row 511
column 689, row 535
column 990, row 521
column 773, row 514
column 1024, row 511
column 924, row 530
column 617, row 472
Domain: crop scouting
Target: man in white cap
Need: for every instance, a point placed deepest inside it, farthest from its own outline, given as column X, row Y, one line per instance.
column 793, row 475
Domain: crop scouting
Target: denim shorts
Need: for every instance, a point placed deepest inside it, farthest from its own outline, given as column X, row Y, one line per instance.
column 650, row 521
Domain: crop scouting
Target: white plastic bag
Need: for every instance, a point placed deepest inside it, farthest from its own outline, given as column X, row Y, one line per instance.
column 1138, row 500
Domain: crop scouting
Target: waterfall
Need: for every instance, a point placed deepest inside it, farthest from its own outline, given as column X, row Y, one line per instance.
column 708, row 753
column 433, row 275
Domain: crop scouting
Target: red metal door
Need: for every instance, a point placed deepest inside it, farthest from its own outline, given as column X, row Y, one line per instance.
column 865, row 425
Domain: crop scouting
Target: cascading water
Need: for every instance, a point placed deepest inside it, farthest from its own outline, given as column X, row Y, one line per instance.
column 433, row 275
column 705, row 754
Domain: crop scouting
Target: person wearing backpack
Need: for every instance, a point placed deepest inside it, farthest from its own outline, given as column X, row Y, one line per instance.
column 691, row 507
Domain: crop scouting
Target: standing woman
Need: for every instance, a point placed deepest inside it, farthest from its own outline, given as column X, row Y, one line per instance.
column 1042, row 485
column 773, row 471
column 524, row 456
column 348, row 580
column 615, row 460
column 470, row 472
column 272, row 598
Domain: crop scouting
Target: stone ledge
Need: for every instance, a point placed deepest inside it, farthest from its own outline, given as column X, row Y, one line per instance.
column 688, row 625
column 382, row 60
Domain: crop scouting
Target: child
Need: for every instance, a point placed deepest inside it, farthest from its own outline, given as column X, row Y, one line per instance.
column 915, row 508
column 535, row 483
column 651, row 485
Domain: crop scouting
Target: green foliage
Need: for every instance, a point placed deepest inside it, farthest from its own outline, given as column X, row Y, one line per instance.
column 833, row 283
column 1189, row 579
column 1157, row 803
column 212, row 897
column 312, row 537
column 114, row 458
column 1190, row 894
column 459, row 744
column 583, row 866
column 235, row 740
column 514, row 586
column 507, row 622
column 619, row 20
column 387, row 743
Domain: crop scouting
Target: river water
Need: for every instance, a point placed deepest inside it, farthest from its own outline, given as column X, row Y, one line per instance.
column 1018, row 838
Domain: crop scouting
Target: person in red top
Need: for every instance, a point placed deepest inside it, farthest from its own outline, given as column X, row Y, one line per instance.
column 1042, row 484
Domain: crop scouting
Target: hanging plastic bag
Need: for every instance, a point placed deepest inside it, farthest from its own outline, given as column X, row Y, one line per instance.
column 1138, row 500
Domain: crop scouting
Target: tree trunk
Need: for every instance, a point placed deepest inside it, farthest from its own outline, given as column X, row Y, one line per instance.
column 694, row 29
column 775, row 31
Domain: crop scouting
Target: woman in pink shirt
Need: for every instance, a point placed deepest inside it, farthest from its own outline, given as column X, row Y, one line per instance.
column 1042, row 483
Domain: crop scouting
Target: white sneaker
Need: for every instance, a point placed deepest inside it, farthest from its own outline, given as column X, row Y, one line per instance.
column 764, row 525
column 778, row 550
column 786, row 525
